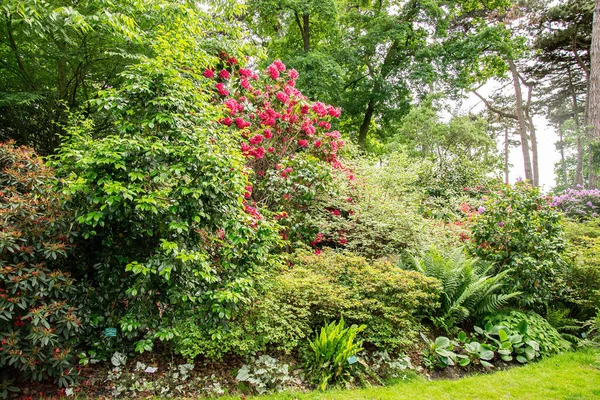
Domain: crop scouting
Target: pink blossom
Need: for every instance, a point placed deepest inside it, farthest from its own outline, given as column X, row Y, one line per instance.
column 245, row 72
column 268, row 134
column 221, row 88
column 259, row 152
column 224, row 74
column 293, row 74
column 324, row 124
column 282, row 97
column 304, row 109
column 245, row 84
column 317, row 144
column 303, row 143
column 273, row 71
column 226, row 121
column 271, row 149
column 256, row 139
column 241, row 124
column 279, row 65
column 209, row 73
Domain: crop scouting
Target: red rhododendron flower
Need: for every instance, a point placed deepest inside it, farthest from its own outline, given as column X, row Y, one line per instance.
column 319, row 109
column 324, row 124
column 245, row 84
column 273, row 72
column 245, row 72
column 209, row 73
column 226, row 121
column 232, row 61
column 256, row 139
column 304, row 109
column 241, row 124
column 268, row 134
column 335, row 212
column 293, row 74
column 282, row 97
column 318, row 239
column 280, row 66
column 224, row 74
column 259, row 152
column 303, row 143
column 248, row 192
column 221, row 88
column 271, row 149
column 317, row 251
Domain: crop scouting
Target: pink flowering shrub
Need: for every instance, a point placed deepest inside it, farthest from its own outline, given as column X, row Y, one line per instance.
column 579, row 203
column 290, row 147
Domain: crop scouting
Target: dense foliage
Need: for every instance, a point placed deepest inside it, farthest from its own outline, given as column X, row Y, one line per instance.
column 39, row 323
column 518, row 229
column 292, row 225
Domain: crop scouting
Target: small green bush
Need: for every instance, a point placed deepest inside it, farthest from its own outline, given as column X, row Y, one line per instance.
column 317, row 289
column 582, row 277
column 333, row 360
column 537, row 329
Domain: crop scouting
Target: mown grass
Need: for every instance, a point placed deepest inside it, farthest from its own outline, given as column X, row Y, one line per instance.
column 568, row 376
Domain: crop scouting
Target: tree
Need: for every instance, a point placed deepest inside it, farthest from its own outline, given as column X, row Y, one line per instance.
column 56, row 55
column 387, row 54
column 593, row 101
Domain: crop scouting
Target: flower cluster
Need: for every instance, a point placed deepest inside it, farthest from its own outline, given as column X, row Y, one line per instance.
column 274, row 120
column 579, row 203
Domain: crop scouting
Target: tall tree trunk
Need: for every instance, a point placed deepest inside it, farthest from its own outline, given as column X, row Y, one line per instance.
column 506, row 149
column 306, row 33
column 578, row 179
column 533, row 137
column 364, row 126
column 563, row 165
column 521, row 121
column 304, row 26
column 593, row 116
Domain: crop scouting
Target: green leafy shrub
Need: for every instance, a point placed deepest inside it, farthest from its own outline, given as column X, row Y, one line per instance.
column 533, row 327
column 468, row 291
column 376, row 214
column 582, row 277
column 321, row 288
column 38, row 322
column 519, row 230
column 333, row 360
column 160, row 198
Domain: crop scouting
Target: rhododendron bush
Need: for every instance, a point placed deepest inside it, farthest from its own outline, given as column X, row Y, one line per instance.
column 38, row 322
column 290, row 147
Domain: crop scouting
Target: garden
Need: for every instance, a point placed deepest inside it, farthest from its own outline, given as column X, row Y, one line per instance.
column 191, row 206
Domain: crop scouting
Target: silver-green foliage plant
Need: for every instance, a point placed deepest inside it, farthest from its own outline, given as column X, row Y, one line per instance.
column 510, row 344
column 439, row 352
column 468, row 290
column 333, row 360
column 531, row 326
column 266, row 374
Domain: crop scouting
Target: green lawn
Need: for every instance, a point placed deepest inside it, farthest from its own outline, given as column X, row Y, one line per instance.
column 567, row 376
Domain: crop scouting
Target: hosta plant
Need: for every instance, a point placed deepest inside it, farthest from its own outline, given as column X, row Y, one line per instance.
column 510, row 344
column 439, row 352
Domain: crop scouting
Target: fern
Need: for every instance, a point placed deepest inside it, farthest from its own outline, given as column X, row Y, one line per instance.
column 468, row 290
